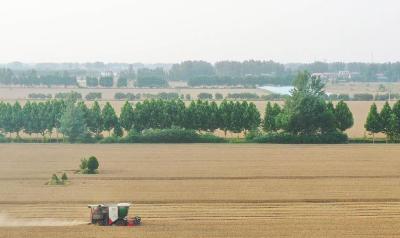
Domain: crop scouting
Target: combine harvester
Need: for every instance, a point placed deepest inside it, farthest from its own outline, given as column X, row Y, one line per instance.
column 112, row 215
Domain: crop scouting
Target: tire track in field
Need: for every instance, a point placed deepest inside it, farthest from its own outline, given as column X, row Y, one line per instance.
column 210, row 201
column 212, row 178
column 215, row 211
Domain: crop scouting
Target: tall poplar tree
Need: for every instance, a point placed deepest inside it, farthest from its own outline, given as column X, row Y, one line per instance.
column 373, row 123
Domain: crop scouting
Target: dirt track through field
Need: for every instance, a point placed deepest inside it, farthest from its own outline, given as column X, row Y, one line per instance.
column 205, row 190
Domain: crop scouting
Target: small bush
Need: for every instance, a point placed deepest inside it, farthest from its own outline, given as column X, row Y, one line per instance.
column 253, row 134
column 205, row 96
column 93, row 96
column 172, row 135
column 381, row 97
column 55, row 180
column 246, row 96
column 286, row 138
column 344, row 97
column 363, row 97
column 219, row 96
column 71, row 95
column 64, row 177
column 89, row 166
column 272, row 97
column 111, row 140
column 127, row 96
column 39, row 96
column 92, row 164
column 83, row 165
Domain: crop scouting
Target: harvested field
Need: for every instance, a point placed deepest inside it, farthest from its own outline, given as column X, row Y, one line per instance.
column 208, row 190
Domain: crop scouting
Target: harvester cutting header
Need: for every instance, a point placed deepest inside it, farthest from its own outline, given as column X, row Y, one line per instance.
column 112, row 215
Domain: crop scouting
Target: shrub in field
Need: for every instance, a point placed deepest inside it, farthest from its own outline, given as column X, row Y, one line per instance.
column 382, row 97
column 89, row 166
column 93, row 96
column 55, row 180
column 363, row 97
column 246, row 96
column 83, row 165
column 92, row 164
column 64, row 177
column 205, row 96
column 39, row 96
column 344, row 97
column 71, row 95
column 219, row 96
column 112, row 140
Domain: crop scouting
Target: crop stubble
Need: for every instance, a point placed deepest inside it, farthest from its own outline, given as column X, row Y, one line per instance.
column 208, row 190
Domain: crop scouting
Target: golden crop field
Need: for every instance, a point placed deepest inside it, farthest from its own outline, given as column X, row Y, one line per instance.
column 204, row 190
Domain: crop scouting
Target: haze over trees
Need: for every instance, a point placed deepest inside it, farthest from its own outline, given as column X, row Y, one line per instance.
column 195, row 73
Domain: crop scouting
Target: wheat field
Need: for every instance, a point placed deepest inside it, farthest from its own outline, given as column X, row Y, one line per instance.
column 204, row 190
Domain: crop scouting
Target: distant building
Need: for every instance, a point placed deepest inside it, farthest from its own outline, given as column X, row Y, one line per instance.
column 81, row 81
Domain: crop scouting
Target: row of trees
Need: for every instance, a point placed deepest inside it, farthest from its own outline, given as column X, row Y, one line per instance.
column 75, row 120
column 386, row 121
column 33, row 78
column 248, row 72
column 305, row 112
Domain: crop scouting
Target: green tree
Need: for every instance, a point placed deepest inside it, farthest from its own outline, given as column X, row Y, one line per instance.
column 237, row 121
column 8, row 125
column 251, row 118
column 373, row 123
column 126, row 118
column 73, row 123
column 95, row 124
column 395, row 120
column 214, row 117
column 17, row 118
column 305, row 111
column 2, row 116
column 226, row 109
column 122, row 82
column 343, row 116
column 270, row 123
column 27, row 112
column 118, row 132
column 86, row 112
column 58, row 110
column 386, row 120
column 43, row 119
column 109, row 117
column 92, row 164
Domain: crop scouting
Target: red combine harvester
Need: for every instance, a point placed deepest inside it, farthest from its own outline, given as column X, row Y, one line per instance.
column 112, row 215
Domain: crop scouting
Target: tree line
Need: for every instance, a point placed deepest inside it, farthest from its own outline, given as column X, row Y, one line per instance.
column 76, row 120
column 304, row 113
column 387, row 121
column 196, row 73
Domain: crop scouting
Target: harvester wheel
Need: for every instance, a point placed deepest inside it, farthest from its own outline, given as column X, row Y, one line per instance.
column 120, row 223
column 137, row 220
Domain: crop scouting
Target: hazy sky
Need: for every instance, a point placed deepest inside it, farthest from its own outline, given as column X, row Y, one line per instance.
column 175, row 30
